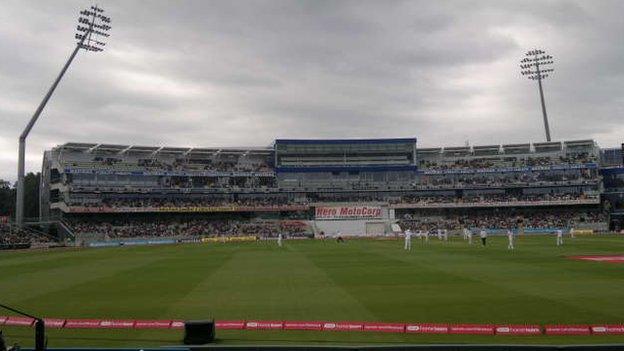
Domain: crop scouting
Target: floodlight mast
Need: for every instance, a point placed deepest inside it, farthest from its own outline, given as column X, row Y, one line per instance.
column 97, row 25
column 536, row 66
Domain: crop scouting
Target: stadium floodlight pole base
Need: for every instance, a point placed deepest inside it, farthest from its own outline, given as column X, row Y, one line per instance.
column 19, row 205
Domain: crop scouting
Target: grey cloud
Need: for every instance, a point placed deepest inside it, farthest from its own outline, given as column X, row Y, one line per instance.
column 245, row 72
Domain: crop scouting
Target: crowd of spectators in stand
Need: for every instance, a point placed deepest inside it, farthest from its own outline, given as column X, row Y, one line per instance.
column 489, row 198
column 505, row 179
column 11, row 235
column 542, row 219
column 141, row 228
column 507, row 161
column 278, row 202
column 190, row 202
column 183, row 164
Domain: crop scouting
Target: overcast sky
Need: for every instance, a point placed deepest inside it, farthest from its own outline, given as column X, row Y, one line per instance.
column 242, row 73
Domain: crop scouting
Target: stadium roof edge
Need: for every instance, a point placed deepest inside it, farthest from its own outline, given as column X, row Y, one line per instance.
column 347, row 141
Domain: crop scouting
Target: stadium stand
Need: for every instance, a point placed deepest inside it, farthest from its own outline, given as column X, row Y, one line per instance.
column 350, row 186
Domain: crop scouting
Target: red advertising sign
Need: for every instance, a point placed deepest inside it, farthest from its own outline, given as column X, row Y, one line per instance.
column 117, row 324
column 471, row 329
column 177, row 325
column 83, row 323
column 343, row 326
column 427, row 328
column 348, row 212
column 385, row 327
column 264, row 325
column 54, row 322
column 230, row 324
column 567, row 330
column 607, row 329
column 302, row 325
column 153, row 324
column 19, row 321
column 518, row 330
column 2, row 319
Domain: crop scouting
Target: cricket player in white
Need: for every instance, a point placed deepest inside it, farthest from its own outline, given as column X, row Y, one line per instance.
column 408, row 240
column 279, row 240
column 466, row 233
column 469, row 234
column 483, row 235
column 572, row 233
column 510, row 238
column 445, row 234
column 559, row 233
column 426, row 233
column 439, row 234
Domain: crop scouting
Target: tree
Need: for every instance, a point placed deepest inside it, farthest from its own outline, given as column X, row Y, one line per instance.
column 7, row 198
column 31, row 195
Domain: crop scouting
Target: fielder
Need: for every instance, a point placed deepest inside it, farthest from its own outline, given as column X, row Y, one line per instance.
column 279, row 240
column 510, row 238
column 559, row 233
column 408, row 240
column 483, row 235
column 572, row 233
column 468, row 234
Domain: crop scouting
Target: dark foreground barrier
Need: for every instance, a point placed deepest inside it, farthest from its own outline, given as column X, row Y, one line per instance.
column 451, row 347
column 343, row 326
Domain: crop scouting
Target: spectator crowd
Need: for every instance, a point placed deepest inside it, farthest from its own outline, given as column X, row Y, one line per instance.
column 507, row 179
column 188, row 228
column 503, row 220
column 507, row 162
column 490, row 198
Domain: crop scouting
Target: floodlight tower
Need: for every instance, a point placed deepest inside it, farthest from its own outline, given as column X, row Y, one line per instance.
column 92, row 28
column 536, row 66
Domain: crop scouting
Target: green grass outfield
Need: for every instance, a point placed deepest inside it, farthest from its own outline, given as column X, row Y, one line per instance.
column 361, row 280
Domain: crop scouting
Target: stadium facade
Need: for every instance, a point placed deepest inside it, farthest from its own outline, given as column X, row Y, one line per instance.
column 314, row 187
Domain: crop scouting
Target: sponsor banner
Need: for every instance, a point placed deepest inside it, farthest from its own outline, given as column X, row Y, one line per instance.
column 302, row 325
column 600, row 258
column 348, row 212
column 484, row 329
column 83, row 323
column 19, row 321
column 3, row 319
column 567, row 330
column 230, row 324
column 607, row 329
column 152, row 324
column 117, row 324
column 104, row 244
column 518, row 330
column 264, row 325
column 54, row 322
column 583, row 231
column 177, row 325
column 385, row 327
column 427, row 328
column 82, row 209
column 343, row 326
column 223, row 239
